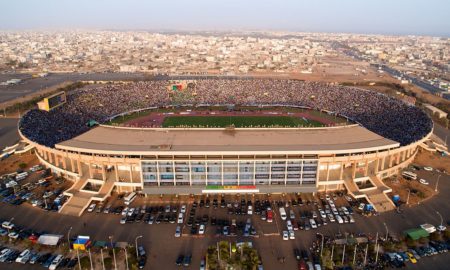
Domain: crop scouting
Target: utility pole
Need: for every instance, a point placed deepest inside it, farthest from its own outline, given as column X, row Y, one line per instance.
column 90, row 259
column 137, row 251
column 365, row 255
column 437, row 182
column 68, row 238
column 343, row 255
column 103, row 260
column 114, row 253
column 126, row 257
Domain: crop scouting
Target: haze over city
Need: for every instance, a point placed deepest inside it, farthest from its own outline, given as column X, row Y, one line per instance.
column 412, row 17
column 217, row 135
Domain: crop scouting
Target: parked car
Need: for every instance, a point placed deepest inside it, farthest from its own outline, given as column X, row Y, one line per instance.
column 423, row 182
column 91, row 208
column 178, row 231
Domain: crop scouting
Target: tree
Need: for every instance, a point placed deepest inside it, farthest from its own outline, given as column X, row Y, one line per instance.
column 22, row 165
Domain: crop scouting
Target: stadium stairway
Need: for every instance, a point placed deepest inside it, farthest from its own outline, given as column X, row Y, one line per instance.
column 80, row 200
column 375, row 196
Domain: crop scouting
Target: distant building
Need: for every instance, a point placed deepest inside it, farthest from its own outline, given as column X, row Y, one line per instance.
column 435, row 111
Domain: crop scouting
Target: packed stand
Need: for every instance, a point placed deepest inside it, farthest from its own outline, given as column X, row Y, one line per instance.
column 386, row 116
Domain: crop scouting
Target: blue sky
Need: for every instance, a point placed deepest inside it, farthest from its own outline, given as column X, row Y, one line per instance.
column 420, row 17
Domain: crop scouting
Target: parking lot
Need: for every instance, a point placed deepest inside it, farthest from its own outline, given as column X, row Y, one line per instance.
column 227, row 219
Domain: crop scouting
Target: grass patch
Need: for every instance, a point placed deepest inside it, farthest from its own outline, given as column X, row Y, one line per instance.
column 238, row 121
column 128, row 117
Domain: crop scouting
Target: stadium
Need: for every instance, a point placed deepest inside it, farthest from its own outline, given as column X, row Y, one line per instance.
column 225, row 135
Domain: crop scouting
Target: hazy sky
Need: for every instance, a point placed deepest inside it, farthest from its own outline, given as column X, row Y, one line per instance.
column 424, row 17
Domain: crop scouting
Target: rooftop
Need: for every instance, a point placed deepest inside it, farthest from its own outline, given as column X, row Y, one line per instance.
column 137, row 141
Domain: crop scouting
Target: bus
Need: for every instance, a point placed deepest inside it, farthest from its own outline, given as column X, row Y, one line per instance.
column 130, row 198
column 409, row 175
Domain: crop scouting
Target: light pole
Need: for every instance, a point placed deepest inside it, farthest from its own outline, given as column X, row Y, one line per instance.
column 78, row 256
column 103, row 260
column 137, row 251
column 354, row 254
column 387, row 231
column 442, row 220
column 407, row 198
column 126, row 257
column 68, row 238
column 114, row 253
column 437, row 182
column 321, row 245
column 11, row 220
column 90, row 259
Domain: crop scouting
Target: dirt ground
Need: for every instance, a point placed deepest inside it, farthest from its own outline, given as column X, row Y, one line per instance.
column 434, row 160
column 419, row 192
column 11, row 164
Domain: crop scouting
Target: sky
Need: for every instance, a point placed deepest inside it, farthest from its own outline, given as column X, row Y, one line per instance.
column 398, row 17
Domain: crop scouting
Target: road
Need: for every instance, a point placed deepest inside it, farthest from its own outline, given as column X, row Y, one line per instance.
column 30, row 85
column 164, row 248
column 441, row 132
column 8, row 132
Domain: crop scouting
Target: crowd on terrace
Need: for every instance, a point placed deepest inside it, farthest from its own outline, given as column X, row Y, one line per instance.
column 386, row 116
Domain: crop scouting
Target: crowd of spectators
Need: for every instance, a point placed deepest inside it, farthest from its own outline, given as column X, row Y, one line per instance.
column 384, row 115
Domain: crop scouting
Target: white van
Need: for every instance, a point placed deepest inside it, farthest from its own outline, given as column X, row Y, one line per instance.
column 283, row 213
column 24, row 257
column 21, row 176
column 55, row 262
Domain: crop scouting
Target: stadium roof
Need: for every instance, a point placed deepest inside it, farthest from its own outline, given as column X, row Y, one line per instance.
column 134, row 141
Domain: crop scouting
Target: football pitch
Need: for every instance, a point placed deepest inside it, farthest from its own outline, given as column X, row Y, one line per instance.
column 238, row 121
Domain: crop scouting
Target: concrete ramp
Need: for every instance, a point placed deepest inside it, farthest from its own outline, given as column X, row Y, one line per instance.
column 80, row 200
column 375, row 196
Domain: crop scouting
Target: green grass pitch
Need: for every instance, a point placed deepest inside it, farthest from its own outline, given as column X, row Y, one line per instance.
column 238, row 121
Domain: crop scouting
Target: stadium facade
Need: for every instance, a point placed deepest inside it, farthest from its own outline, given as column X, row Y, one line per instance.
column 195, row 161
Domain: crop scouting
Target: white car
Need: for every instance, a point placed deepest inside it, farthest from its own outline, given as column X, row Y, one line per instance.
column 201, row 230
column 285, row 235
column 291, row 235
column 24, row 257
column 331, row 218
column 180, row 218
column 339, row 219
column 322, row 214
column 130, row 212
column 361, row 206
column 423, row 182
column 56, row 262
column 344, row 209
column 123, row 220
column 8, row 225
column 428, row 169
column 250, row 210
column 178, row 231
column 351, row 219
column 13, row 235
column 124, row 211
column 183, row 209
column 441, row 228
column 289, row 225
column 313, row 223
column 91, row 208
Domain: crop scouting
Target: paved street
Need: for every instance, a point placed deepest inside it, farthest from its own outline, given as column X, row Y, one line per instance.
column 163, row 247
column 8, row 132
